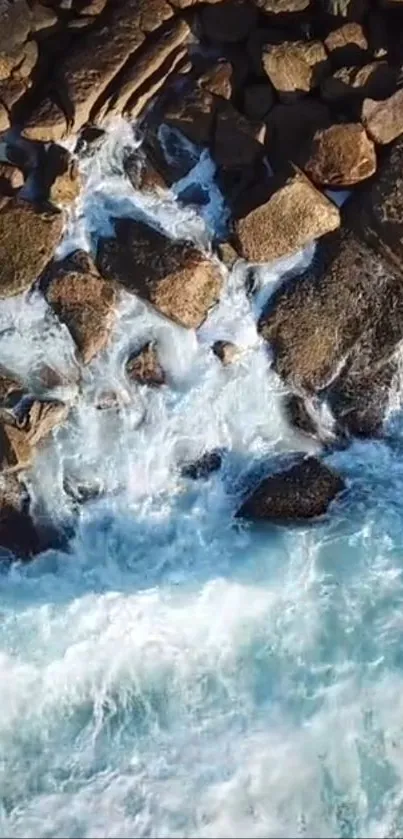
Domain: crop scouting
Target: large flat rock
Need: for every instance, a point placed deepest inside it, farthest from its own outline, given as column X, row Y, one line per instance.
column 28, row 239
column 175, row 277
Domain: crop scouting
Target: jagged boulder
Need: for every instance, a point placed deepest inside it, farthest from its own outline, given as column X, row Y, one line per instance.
column 303, row 491
column 341, row 156
column 174, row 276
column 383, row 120
column 294, row 67
column 144, row 367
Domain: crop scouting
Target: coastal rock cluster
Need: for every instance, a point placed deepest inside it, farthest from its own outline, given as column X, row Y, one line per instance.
column 295, row 100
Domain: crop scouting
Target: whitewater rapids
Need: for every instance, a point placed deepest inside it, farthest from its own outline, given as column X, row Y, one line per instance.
column 175, row 674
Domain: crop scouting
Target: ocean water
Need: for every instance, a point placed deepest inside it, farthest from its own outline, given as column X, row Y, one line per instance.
column 176, row 673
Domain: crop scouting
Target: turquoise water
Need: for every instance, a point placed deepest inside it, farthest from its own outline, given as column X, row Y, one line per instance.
column 176, row 674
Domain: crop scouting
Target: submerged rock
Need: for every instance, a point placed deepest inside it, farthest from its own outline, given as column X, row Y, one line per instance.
column 28, row 239
column 226, row 351
column 303, row 491
column 174, row 276
column 83, row 300
column 144, row 366
column 203, row 467
column 18, row 534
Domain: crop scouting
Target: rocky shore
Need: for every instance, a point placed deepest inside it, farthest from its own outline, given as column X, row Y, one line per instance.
column 296, row 101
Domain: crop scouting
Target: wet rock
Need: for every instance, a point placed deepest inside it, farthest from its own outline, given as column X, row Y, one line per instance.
column 60, row 176
column 28, row 238
column 4, row 118
column 16, row 452
column 83, row 301
column 144, row 366
column 294, row 67
column 226, row 351
column 384, row 120
column 237, row 142
column 339, row 323
column 11, row 389
column 38, row 418
column 18, row 534
column 173, row 276
column 203, row 467
column 291, row 128
column 218, row 80
column 354, row 84
column 227, row 254
column 342, row 155
column 258, row 100
column 359, row 398
column 142, row 173
column 228, row 22
column 347, row 45
column 11, row 179
column 298, row 414
column 303, row 491
column 193, row 114
column 350, row 9
column 294, row 215
column 378, row 214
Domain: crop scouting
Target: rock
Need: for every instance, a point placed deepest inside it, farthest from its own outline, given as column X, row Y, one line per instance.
column 294, row 68
column 347, row 45
column 342, row 155
column 293, row 216
column 11, row 389
column 83, row 301
column 16, row 452
column 193, row 114
column 28, row 239
column 303, row 491
column 27, row 65
column 228, row 255
column 226, row 351
column 291, row 128
column 378, row 213
column 4, row 118
column 218, row 80
column 142, row 173
column 204, row 467
column 360, row 396
column 43, row 17
column 15, row 24
column 298, row 414
column 93, row 7
column 354, row 84
column 144, row 367
column 11, row 178
column 258, row 99
column 384, row 120
column 40, row 418
column 89, row 67
column 18, row 534
column 237, row 142
column 228, row 22
column 339, row 323
column 175, row 277
column 140, row 72
column 177, row 61
column 60, row 176
column 46, row 123
column 279, row 7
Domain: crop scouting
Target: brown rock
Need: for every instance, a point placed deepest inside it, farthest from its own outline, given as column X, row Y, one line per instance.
column 339, row 323
column 354, row 84
column 93, row 7
column 384, row 120
column 303, row 491
column 28, row 239
column 342, row 155
column 378, row 213
column 43, row 17
column 293, row 216
column 291, row 129
column 350, row 9
column 228, row 22
column 237, row 142
column 61, row 180
column 258, row 100
column 226, row 351
column 151, row 60
column 177, row 61
column 11, row 389
column 11, row 178
column 174, row 277
column 227, row 254
column 30, row 58
column 193, row 114
column 83, row 301
column 218, row 80
column 144, row 366
column 46, row 123
column 41, row 418
column 276, row 7
column 294, row 68
column 16, row 452
column 4, row 118
column 347, row 45
column 15, row 24
column 142, row 173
